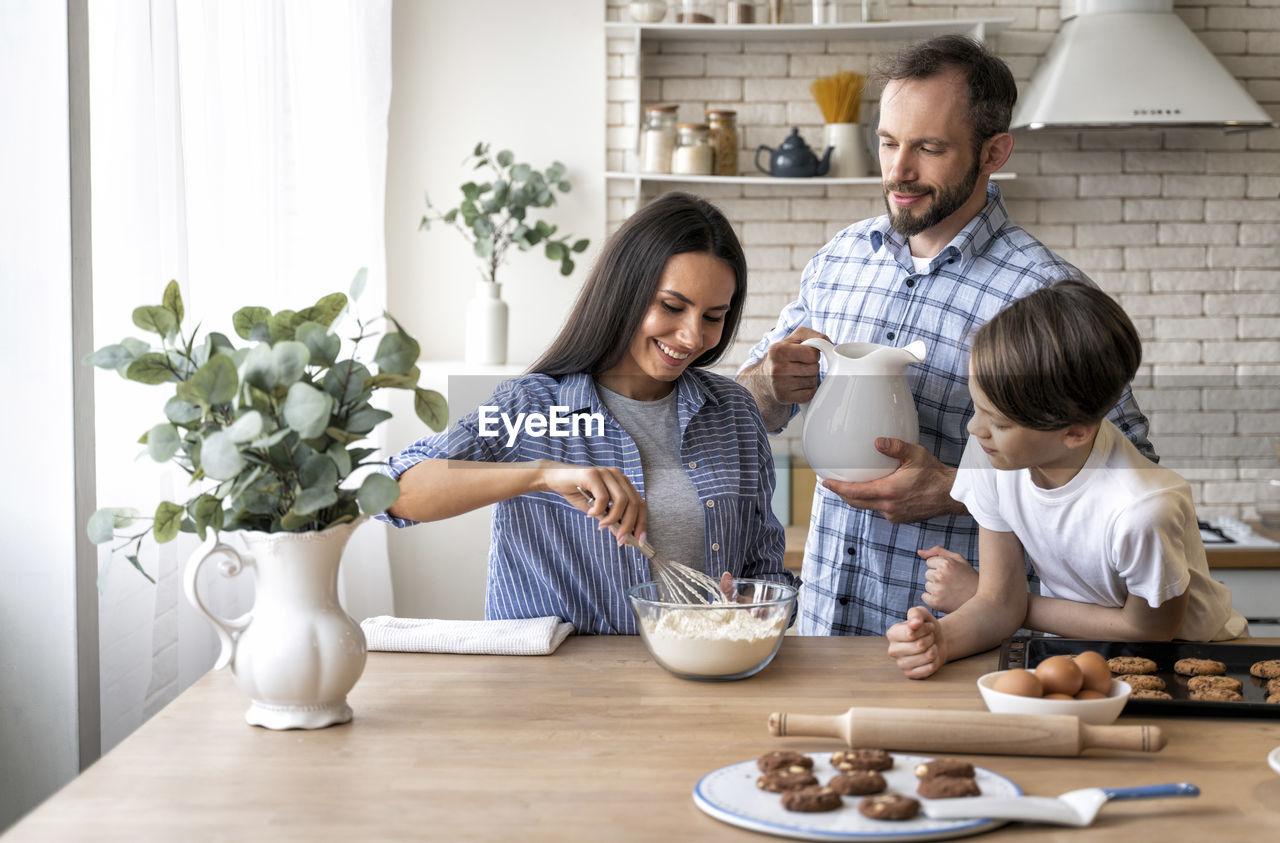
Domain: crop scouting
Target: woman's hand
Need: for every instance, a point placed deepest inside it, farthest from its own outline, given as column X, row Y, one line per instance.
column 616, row 505
column 950, row 580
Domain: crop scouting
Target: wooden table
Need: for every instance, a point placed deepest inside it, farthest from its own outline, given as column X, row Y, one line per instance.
column 595, row 742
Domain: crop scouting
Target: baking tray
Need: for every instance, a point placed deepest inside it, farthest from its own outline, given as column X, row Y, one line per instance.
column 1028, row 651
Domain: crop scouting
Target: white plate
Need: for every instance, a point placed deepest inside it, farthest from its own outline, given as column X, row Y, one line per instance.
column 730, row 795
column 1274, row 759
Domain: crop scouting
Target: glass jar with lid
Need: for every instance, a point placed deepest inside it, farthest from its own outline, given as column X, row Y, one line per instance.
column 724, row 141
column 696, row 11
column 693, row 150
column 657, row 138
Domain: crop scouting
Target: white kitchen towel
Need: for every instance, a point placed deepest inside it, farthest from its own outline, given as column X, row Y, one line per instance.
column 515, row 637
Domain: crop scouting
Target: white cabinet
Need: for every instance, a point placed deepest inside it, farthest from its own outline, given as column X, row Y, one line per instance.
column 891, row 31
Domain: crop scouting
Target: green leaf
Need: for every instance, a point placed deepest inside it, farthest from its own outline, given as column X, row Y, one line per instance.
column 283, row 324
column 110, row 357
column 150, row 368
column 505, row 158
column 182, row 412
column 556, row 250
column 555, row 172
column 168, row 522
column 340, row 458
column 521, row 172
column 408, row 380
column 397, row 353
column 260, row 368
column 163, row 442
column 566, row 268
column 172, row 300
column 341, row 436
column 291, row 358
column 216, row 382
column 363, row 421
column 268, row 441
column 377, row 493
column 247, row 427
column 245, row 318
column 103, row 523
column 207, row 512
column 449, row 216
column 133, row 560
column 357, row 284
column 323, row 311
column 294, row 521
column 581, row 245
column 220, row 457
column 483, row 247
column 307, row 410
column 318, row 470
column 432, row 408
column 345, row 381
column 322, row 345
column 471, row 190
column 157, row 319
column 315, row 499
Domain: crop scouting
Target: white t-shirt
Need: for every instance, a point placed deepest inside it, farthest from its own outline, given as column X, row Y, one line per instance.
column 1123, row 525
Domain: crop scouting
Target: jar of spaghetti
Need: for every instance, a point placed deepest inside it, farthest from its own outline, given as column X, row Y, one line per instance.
column 657, row 138
column 693, row 150
column 724, row 141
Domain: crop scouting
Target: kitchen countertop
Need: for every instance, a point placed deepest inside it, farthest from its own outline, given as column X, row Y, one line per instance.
column 593, row 742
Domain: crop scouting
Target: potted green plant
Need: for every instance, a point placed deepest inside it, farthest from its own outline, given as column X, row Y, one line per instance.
column 494, row 216
column 271, row 434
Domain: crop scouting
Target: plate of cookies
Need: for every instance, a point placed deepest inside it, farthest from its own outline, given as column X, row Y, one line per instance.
column 1173, row 677
column 854, row 794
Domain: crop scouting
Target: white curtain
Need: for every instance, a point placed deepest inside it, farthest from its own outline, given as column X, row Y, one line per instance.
column 238, row 146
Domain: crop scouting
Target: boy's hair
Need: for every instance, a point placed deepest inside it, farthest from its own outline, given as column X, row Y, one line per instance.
column 1059, row 356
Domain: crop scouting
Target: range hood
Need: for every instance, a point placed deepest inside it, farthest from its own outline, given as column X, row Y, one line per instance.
column 1132, row 64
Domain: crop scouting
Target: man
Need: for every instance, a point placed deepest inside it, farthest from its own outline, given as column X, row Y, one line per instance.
column 941, row 263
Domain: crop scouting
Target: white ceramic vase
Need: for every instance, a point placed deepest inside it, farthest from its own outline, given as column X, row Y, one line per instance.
column 296, row 653
column 486, row 340
column 848, row 150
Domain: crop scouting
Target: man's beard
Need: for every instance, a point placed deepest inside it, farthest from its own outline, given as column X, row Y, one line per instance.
column 946, row 201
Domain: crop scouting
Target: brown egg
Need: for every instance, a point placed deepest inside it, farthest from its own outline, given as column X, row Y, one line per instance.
column 1057, row 696
column 1090, row 694
column 1097, row 676
column 1019, row 682
column 1059, row 675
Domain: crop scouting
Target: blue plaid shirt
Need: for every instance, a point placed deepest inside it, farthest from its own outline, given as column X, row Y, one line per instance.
column 547, row 558
column 861, row 572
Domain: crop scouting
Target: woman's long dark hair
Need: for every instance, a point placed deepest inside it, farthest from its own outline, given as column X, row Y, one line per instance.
column 625, row 278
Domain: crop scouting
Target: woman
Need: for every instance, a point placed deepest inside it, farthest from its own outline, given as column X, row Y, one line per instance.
column 667, row 450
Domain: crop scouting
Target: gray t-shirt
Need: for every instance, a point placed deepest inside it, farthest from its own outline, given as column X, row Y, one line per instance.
column 676, row 526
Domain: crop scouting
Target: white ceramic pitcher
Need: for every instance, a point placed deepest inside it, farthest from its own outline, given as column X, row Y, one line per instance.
column 296, row 653
column 864, row 395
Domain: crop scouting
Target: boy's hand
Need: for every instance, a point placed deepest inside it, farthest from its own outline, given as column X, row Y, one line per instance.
column 916, row 644
column 950, row 580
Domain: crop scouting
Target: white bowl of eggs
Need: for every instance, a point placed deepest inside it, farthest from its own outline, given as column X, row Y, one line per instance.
column 1080, row 686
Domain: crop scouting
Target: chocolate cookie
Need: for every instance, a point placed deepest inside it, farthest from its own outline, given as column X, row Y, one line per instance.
column 1273, row 686
column 1149, row 694
column 780, row 758
column 857, row 783
column 1199, row 667
column 889, row 806
column 1217, row 695
column 947, row 787
column 1273, row 698
column 811, row 799
column 787, row 778
column 1131, row 664
column 945, row 767
column 1143, row 682
column 1268, row 669
column 861, row 759
column 1221, row 683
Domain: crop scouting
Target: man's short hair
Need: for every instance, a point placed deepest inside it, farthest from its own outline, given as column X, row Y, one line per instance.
column 992, row 91
column 1059, row 356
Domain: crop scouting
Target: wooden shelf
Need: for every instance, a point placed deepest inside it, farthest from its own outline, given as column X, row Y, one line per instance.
column 981, row 28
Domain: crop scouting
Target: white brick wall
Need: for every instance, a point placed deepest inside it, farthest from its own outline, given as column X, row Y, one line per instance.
column 1183, row 227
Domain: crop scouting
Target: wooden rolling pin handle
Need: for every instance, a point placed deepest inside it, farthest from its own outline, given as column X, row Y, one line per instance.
column 1140, row 738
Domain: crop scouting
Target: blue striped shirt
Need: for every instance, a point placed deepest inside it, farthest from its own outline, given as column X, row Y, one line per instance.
column 861, row 573
column 547, row 558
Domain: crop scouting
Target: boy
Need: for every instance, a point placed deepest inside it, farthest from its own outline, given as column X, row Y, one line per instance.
column 1112, row 536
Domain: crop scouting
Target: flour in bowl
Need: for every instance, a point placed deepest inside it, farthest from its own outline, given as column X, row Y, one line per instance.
column 712, row 642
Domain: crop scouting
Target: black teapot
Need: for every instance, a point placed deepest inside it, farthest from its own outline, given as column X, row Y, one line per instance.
column 794, row 159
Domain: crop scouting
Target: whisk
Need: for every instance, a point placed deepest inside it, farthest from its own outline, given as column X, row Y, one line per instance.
column 682, row 583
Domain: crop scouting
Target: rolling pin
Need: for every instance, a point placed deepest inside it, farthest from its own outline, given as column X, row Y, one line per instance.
column 973, row 732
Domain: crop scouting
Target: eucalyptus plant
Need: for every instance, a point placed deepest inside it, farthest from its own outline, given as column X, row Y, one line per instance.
column 494, row 215
column 268, row 432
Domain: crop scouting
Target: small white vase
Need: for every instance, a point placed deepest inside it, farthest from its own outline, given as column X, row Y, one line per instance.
column 296, row 653
column 848, row 150
column 486, row 340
